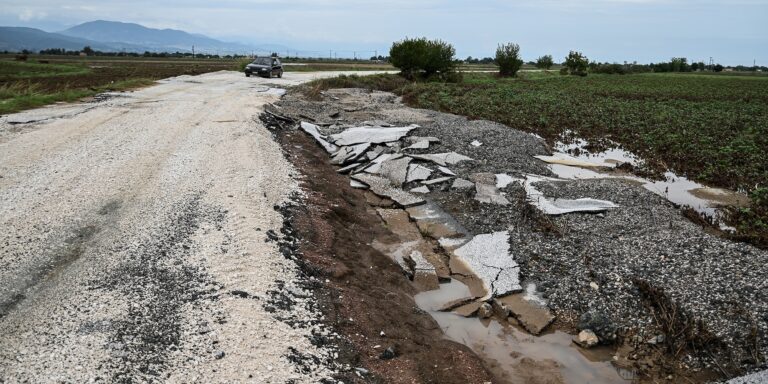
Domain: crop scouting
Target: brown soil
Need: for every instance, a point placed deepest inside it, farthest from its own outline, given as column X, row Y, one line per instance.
column 104, row 73
column 366, row 292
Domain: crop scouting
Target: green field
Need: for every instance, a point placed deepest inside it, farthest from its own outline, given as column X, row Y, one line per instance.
column 711, row 128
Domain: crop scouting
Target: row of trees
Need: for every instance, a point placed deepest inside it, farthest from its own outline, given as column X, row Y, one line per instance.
column 428, row 58
column 425, row 58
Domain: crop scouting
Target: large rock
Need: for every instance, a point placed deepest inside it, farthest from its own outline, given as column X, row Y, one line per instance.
column 586, row 339
column 600, row 324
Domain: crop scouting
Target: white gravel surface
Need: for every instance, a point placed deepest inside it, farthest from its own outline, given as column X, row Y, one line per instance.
column 133, row 244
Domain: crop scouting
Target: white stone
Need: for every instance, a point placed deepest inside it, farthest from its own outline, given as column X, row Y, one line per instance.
column 586, row 339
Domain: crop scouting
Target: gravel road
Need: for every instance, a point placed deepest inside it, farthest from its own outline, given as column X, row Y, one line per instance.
column 134, row 240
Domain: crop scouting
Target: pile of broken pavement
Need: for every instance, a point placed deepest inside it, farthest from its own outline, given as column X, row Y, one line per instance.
column 605, row 254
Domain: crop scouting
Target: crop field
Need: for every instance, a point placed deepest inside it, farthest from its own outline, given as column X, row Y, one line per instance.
column 711, row 128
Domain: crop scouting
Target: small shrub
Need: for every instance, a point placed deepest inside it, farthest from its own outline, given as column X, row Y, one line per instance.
column 508, row 59
column 576, row 63
column 545, row 62
column 422, row 57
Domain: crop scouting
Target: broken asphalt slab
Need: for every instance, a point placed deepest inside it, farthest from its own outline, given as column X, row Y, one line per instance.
column 489, row 258
column 383, row 187
column 371, row 135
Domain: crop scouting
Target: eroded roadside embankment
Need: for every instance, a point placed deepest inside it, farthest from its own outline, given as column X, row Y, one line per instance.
column 669, row 298
column 365, row 296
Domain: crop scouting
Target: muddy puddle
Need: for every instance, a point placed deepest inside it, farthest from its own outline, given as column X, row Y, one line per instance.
column 514, row 355
column 452, row 294
column 573, row 161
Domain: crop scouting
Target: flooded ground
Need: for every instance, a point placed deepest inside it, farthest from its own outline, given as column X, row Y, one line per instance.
column 573, row 161
column 514, row 354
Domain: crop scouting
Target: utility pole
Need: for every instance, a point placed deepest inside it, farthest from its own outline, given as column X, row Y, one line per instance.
column 330, row 54
column 193, row 51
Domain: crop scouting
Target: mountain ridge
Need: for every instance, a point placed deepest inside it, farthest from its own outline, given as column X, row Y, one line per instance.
column 117, row 36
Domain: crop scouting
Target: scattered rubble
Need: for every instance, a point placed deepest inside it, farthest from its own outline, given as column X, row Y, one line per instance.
column 634, row 246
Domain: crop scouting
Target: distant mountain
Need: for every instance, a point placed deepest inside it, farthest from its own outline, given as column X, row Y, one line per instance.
column 109, row 31
column 155, row 39
column 111, row 36
column 21, row 38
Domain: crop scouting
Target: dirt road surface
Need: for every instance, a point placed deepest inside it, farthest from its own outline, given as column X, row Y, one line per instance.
column 134, row 242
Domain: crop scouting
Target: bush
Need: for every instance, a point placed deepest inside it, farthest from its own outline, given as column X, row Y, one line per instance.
column 545, row 62
column 609, row 69
column 422, row 57
column 576, row 63
column 508, row 59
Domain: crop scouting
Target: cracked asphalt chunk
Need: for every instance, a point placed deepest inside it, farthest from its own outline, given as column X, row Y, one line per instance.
column 489, row 258
column 371, row 135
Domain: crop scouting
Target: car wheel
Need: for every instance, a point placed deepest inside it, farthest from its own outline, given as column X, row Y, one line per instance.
column 280, row 75
column 247, row 74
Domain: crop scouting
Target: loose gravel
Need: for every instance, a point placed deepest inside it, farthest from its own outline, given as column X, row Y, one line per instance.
column 138, row 241
column 641, row 274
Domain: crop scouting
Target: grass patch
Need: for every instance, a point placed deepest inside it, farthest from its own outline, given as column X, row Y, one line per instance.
column 17, row 97
column 11, row 70
column 713, row 129
column 33, row 84
column 382, row 82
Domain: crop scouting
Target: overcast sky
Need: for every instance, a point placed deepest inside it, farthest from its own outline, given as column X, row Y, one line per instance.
column 732, row 32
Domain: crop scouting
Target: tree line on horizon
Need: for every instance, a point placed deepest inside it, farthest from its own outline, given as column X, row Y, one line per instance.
column 507, row 57
column 421, row 57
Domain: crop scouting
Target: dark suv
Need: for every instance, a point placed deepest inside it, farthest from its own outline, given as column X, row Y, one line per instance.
column 264, row 67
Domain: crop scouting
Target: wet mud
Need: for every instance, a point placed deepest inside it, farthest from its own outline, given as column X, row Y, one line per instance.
column 365, row 295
